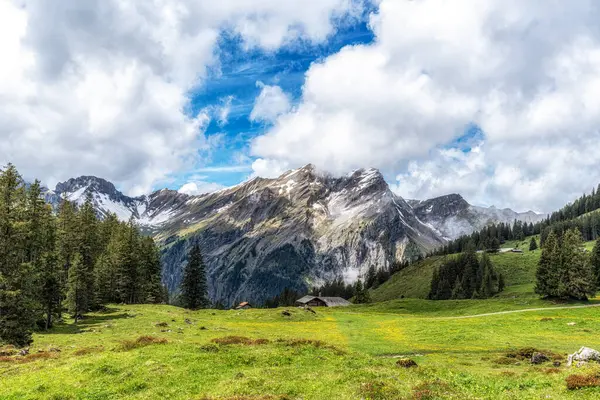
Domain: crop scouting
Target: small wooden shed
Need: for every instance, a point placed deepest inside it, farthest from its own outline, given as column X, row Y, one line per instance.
column 320, row 301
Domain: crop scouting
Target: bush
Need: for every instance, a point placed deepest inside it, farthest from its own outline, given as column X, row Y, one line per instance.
column 406, row 363
column 577, row 381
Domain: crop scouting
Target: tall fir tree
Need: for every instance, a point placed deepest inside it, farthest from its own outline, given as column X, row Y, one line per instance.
column 78, row 297
column 533, row 244
column 577, row 278
column 548, row 270
column 595, row 261
column 194, row 292
column 361, row 293
column 17, row 306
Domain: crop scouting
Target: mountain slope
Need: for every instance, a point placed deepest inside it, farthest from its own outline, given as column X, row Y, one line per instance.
column 303, row 227
column 451, row 216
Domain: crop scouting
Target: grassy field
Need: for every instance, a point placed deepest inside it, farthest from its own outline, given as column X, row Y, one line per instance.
column 347, row 353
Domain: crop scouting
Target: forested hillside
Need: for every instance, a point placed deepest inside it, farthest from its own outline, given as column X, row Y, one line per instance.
column 71, row 262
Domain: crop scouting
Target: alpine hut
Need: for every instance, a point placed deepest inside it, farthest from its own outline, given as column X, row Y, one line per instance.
column 320, row 301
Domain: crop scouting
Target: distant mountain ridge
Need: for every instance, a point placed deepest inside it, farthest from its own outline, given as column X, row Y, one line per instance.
column 452, row 216
column 302, row 228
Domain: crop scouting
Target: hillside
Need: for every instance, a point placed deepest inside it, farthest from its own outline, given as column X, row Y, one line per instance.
column 154, row 352
column 518, row 270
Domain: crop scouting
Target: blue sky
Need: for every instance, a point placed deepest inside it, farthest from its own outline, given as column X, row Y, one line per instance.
column 236, row 81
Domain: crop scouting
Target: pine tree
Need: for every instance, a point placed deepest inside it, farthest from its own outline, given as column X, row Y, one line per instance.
column 150, row 272
column 371, row 277
column 361, row 294
column 532, row 244
column 66, row 243
column 494, row 245
column 194, row 293
column 458, row 293
column 501, row 283
column 17, row 307
column 595, row 261
column 548, row 270
column 577, row 278
column 50, row 290
column 87, row 229
column 78, row 296
column 128, row 281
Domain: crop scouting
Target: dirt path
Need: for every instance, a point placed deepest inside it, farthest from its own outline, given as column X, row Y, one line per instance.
column 518, row 311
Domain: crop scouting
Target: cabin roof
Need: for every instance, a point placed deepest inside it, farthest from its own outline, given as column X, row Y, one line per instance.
column 329, row 301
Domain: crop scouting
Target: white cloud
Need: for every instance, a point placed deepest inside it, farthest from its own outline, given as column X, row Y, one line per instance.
column 270, row 103
column 528, row 73
column 269, row 168
column 224, row 110
column 200, row 187
column 100, row 86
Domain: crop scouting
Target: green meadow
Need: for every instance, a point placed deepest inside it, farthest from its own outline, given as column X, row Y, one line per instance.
column 464, row 349
column 163, row 352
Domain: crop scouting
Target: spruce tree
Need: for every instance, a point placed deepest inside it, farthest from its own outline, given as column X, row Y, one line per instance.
column 128, row 282
column 17, row 306
column 50, row 289
column 533, row 244
column 595, row 261
column 548, row 270
column 87, row 229
column 577, row 278
column 501, row 283
column 150, row 272
column 78, row 297
column 194, row 293
column 458, row 293
column 361, row 294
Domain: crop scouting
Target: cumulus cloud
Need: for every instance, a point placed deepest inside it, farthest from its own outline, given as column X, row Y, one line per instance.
column 527, row 73
column 200, row 187
column 100, row 87
column 270, row 103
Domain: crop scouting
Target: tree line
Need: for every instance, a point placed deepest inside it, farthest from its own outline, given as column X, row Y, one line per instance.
column 466, row 276
column 65, row 262
column 579, row 215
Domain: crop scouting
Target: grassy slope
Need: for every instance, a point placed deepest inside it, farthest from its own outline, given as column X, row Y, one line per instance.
column 455, row 356
column 518, row 270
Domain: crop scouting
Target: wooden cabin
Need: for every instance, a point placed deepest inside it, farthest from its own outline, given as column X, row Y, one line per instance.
column 320, row 301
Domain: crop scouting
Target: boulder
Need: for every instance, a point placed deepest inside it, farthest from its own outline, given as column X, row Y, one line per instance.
column 539, row 358
column 583, row 355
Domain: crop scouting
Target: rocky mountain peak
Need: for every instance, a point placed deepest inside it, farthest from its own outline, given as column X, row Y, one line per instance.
column 85, row 184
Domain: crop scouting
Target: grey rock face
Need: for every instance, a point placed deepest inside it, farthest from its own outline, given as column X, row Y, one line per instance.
column 302, row 228
column 451, row 216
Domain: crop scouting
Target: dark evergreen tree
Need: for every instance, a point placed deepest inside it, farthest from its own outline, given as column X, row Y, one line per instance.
column 78, row 297
column 17, row 306
column 548, row 271
column 194, row 292
column 576, row 279
column 533, row 244
column 595, row 261
column 361, row 294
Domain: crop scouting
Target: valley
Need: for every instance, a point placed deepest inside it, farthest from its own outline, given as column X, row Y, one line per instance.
column 304, row 228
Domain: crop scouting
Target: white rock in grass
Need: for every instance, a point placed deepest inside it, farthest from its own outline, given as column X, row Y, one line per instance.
column 585, row 354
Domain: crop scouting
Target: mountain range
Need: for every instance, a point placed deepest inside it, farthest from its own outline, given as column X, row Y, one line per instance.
column 302, row 228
